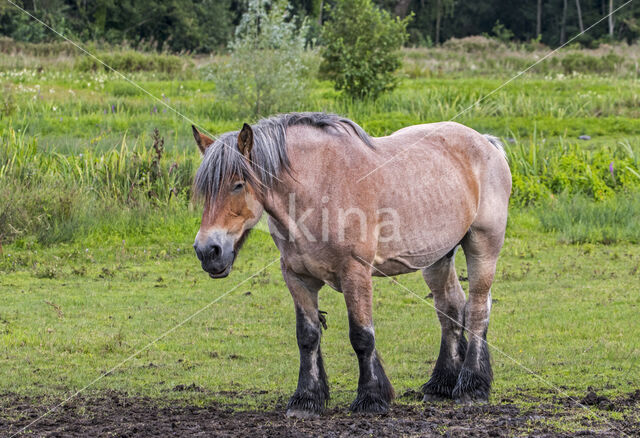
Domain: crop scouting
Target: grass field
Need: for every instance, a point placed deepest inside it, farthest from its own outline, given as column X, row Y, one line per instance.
column 96, row 259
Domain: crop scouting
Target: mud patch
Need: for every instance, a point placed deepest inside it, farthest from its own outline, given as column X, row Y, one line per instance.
column 116, row 414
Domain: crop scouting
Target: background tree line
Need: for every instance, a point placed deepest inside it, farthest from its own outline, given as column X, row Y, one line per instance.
column 207, row 25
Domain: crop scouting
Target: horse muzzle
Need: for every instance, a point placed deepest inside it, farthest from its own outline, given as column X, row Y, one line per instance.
column 216, row 254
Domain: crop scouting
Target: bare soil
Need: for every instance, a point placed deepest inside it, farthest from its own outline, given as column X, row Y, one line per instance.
column 115, row 414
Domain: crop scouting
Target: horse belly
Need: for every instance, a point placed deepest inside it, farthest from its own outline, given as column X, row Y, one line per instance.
column 404, row 262
column 420, row 228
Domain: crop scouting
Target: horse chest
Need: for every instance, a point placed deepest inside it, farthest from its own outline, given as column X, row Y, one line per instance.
column 308, row 264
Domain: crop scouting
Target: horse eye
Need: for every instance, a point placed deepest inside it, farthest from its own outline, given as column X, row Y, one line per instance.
column 237, row 187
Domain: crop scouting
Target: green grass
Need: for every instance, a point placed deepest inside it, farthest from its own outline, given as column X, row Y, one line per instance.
column 70, row 313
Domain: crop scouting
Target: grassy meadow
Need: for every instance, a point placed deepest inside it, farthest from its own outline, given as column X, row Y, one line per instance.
column 97, row 221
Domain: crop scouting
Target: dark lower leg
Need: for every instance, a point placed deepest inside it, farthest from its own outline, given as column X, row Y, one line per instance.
column 474, row 380
column 374, row 389
column 444, row 377
column 312, row 392
column 449, row 300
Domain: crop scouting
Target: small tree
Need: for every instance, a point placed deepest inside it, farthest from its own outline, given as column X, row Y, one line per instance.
column 362, row 45
column 269, row 66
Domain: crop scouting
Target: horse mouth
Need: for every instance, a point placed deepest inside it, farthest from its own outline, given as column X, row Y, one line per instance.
column 221, row 274
column 225, row 271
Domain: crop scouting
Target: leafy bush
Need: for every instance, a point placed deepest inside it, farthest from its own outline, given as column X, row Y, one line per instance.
column 362, row 48
column 501, row 32
column 269, row 68
column 539, row 171
column 581, row 63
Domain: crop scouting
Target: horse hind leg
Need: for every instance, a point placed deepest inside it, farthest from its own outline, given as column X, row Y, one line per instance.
column 449, row 300
column 481, row 249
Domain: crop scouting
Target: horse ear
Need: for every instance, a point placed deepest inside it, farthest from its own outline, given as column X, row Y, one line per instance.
column 202, row 140
column 245, row 141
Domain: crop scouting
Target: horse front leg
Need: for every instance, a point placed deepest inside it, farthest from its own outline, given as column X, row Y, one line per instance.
column 312, row 393
column 374, row 389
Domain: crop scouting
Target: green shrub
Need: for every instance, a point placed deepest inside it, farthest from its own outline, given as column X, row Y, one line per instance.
column 539, row 171
column 269, row 69
column 362, row 48
column 501, row 32
column 528, row 189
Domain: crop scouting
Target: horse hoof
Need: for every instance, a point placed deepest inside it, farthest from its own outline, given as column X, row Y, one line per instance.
column 471, row 398
column 305, row 405
column 472, row 387
column 302, row 415
column 369, row 404
column 434, row 398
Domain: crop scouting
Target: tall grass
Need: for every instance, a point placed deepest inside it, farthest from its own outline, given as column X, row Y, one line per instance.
column 581, row 195
column 577, row 219
column 133, row 61
column 48, row 197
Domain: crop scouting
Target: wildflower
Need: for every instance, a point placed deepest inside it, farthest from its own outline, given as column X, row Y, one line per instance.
column 113, row 108
column 611, row 171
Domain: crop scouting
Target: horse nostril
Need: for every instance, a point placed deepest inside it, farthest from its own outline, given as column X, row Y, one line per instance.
column 216, row 250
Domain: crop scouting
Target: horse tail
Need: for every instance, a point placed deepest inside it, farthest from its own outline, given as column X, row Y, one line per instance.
column 495, row 141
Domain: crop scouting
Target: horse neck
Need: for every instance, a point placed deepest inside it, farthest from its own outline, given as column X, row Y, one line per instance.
column 276, row 203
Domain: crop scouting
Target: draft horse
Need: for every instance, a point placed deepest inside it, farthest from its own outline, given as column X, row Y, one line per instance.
column 343, row 206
